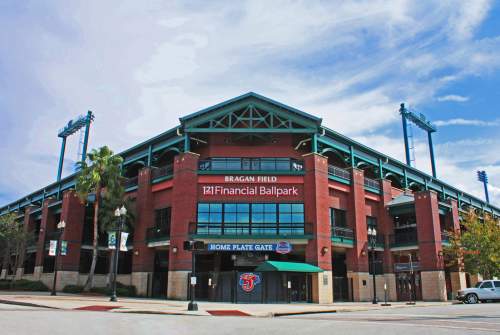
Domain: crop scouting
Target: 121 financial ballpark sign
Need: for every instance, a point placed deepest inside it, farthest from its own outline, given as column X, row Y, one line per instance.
column 248, row 186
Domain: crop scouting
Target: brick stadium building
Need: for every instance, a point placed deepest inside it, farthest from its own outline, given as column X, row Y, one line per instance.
column 282, row 203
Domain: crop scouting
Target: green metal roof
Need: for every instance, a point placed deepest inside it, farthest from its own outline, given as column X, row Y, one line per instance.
column 253, row 95
column 274, row 266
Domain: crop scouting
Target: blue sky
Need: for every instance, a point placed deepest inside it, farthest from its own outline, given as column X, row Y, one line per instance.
column 141, row 65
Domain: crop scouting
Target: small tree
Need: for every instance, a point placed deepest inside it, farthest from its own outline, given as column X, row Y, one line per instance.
column 102, row 172
column 7, row 224
column 13, row 239
column 477, row 247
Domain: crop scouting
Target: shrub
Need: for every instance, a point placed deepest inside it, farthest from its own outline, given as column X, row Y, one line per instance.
column 23, row 285
column 73, row 289
column 121, row 290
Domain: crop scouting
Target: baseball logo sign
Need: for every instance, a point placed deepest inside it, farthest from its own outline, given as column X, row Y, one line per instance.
column 248, row 281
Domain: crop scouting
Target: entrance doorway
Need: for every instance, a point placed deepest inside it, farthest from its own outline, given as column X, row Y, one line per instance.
column 160, row 275
column 408, row 286
column 340, row 282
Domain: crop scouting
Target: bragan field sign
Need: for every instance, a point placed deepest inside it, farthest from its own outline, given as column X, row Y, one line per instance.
column 252, row 186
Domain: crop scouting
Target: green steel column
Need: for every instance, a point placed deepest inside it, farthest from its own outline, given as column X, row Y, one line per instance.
column 431, row 151
column 187, row 143
column 380, row 169
column 86, row 137
column 351, row 151
column 314, row 142
column 61, row 158
column 402, row 110
column 405, row 178
column 150, row 153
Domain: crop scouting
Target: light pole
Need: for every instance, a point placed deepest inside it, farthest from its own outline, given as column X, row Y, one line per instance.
column 120, row 215
column 372, row 234
column 483, row 177
column 60, row 229
column 413, row 298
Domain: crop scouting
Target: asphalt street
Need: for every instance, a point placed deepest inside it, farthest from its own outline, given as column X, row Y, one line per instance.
column 455, row 319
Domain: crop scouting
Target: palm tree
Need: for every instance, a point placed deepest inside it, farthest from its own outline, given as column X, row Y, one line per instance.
column 102, row 173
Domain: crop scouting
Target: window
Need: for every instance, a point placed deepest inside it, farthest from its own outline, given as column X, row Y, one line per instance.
column 162, row 220
column 289, row 216
column 245, row 218
column 236, row 218
column 338, row 218
column 497, row 283
column 264, row 219
column 487, row 284
column 209, row 218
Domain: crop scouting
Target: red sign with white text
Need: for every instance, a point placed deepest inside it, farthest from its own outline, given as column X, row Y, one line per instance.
column 277, row 187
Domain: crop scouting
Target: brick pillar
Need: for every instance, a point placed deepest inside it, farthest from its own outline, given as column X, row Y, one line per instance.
column 184, row 208
column 28, row 224
column 357, row 257
column 457, row 275
column 47, row 224
column 430, row 247
column 319, row 248
column 73, row 214
column 143, row 259
column 386, row 227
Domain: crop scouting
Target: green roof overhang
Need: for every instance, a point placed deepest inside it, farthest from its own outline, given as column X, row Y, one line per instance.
column 274, row 266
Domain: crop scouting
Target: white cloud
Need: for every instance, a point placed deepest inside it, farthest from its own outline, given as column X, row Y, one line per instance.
column 465, row 122
column 140, row 66
column 453, row 97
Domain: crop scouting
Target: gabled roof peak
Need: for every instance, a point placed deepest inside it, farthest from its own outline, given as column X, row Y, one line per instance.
column 253, row 112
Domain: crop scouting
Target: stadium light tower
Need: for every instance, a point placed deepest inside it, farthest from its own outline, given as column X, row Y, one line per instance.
column 72, row 127
column 421, row 122
column 483, row 177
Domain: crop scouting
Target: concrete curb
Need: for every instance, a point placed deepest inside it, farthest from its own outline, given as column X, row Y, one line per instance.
column 26, row 304
column 278, row 314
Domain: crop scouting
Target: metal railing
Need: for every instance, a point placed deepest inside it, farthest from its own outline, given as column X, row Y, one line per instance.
column 371, row 183
column 404, row 238
column 402, row 267
column 379, row 267
column 339, row 172
column 445, row 237
column 342, row 232
column 250, row 229
column 251, row 164
column 155, row 234
column 160, row 172
column 131, row 182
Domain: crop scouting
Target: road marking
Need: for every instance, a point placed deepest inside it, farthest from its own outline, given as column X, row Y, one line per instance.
column 421, row 325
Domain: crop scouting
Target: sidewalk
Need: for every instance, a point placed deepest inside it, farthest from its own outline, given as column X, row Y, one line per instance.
column 157, row 306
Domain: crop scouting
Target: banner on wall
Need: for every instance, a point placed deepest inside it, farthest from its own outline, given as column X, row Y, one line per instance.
column 64, row 248
column 52, row 247
column 112, row 240
column 123, row 242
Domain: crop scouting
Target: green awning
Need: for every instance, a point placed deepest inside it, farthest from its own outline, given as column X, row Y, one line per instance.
column 269, row 266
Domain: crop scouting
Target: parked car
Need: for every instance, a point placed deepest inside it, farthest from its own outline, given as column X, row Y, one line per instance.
column 483, row 291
